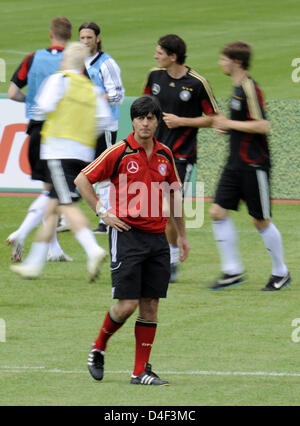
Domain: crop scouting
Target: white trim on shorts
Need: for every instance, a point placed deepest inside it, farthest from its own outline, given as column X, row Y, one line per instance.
column 59, row 181
column 264, row 192
column 108, row 138
column 114, row 244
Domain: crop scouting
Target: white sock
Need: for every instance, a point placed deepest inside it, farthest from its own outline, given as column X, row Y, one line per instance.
column 226, row 238
column 54, row 246
column 38, row 254
column 87, row 240
column 174, row 254
column 34, row 216
column 273, row 243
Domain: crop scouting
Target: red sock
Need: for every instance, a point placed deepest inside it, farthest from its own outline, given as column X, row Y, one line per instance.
column 144, row 337
column 109, row 327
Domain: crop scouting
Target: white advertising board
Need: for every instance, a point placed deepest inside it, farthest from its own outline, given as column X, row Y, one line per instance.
column 14, row 165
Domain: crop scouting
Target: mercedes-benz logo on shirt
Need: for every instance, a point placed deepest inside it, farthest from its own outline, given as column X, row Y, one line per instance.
column 132, row 167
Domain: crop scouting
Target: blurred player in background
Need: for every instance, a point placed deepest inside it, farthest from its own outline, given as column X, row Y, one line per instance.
column 31, row 73
column 76, row 111
column 184, row 96
column 140, row 256
column 246, row 174
column 104, row 71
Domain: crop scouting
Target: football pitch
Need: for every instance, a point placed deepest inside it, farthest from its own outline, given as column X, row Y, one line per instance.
column 232, row 347
column 235, row 347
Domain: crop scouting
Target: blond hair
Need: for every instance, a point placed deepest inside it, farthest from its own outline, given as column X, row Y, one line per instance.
column 74, row 56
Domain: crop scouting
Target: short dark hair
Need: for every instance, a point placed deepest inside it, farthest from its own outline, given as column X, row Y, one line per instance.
column 144, row 105
column 238, row 50
column 172, row 43
column 89, row 25
column 61, row 28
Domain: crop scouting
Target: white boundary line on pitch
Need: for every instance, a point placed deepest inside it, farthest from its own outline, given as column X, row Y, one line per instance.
column 14, row 52
column 16, row 369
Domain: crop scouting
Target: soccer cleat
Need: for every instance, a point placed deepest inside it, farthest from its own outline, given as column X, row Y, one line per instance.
column 93, row 264
column 61, row 257
column 101, row 229
column 96, row 364
column 277, row 283
column 173, row 272
column 26, row 270
column 17, row 247
column 148, row 378
column 228, row 281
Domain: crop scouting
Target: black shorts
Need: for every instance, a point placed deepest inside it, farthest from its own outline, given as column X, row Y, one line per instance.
column 38, row 166
column 61, row 175
column 104, row 141
column 140, row 264
column 250, row 185
column 184, row 170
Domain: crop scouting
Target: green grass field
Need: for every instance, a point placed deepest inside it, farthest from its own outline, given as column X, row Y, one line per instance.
column 216, row 348
column 131, row 28
column 232, row 347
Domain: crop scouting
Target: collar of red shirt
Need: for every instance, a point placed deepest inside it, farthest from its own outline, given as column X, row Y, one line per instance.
column 135, row 145
column 56, row 47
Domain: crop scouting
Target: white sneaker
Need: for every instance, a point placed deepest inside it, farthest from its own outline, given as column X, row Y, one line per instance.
column 93, row 264
column 26, row 271
column 61, row 257
column 17, row 247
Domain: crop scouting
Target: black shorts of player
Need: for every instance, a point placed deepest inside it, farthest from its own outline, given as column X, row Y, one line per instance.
column 250, row 185
column 38, row 166
column 184, row 170
column 104, row 141
column 62, row 174
column 140, row 264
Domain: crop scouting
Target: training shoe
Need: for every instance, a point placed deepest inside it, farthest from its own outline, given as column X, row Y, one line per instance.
column 26, row 271
column 101, row 229
column 96, row 364
column 228, row 281
column 62, row 257
column 93, row 264
column 276, row 283
column 173, row 272
column 148, row 378
column 17, row 247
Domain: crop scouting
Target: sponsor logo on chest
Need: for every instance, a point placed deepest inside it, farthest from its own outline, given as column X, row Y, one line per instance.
column 132, row 167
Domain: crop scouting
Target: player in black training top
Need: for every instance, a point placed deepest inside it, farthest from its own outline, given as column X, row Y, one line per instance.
column 184, row 96
column 246, row 174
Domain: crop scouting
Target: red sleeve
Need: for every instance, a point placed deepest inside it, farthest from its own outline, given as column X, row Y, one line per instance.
column 21, row 74
column 103, row 167
column 147, row 90
column 147, row 86
column 208, row 101
column 207, row 107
